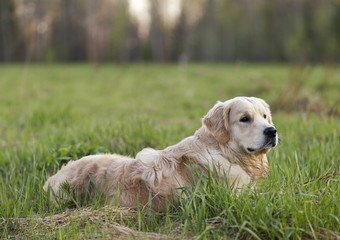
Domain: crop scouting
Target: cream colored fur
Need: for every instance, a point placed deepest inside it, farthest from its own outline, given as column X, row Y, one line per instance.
column 222, row 141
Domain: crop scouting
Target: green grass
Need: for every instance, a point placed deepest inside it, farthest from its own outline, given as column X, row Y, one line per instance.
column 50, row 114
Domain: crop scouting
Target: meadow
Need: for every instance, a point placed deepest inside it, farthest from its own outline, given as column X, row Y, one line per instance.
column 52, row 113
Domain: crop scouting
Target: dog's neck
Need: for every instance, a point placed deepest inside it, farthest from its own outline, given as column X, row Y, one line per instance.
column 255, row 166
column 204, row 146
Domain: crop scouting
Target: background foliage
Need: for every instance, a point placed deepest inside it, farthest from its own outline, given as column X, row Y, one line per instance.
column 202, row 30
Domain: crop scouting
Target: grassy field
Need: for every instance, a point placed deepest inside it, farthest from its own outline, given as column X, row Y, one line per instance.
column 50, row 114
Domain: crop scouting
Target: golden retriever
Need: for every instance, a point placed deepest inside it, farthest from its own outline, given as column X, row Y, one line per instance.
column 235, row 136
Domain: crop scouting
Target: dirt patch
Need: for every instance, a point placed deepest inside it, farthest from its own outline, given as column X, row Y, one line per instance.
column 107, row 220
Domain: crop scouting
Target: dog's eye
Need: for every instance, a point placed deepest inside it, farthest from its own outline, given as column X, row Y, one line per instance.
column 265, row 116
column 245, row 119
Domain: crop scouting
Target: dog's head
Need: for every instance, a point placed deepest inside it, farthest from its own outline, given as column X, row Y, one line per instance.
column 242, row 122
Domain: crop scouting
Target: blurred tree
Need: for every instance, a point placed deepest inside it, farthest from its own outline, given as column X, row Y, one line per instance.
column 228, row 14
column 93, row 41
column 277, row 20
column 186, row 32
column 335, row 28
column 35, row 17
column 208, row 38
column 68, row 31
column 179, row 38
column 11, row 44
column 156, row 32
column 123, row 35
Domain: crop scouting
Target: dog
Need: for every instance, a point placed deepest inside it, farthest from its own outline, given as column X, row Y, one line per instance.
column 235, row 136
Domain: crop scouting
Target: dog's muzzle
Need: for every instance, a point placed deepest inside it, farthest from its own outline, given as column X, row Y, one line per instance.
column 271, row 136
column 270, row 139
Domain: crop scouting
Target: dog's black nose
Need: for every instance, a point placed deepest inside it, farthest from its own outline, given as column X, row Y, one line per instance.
column 270, row 132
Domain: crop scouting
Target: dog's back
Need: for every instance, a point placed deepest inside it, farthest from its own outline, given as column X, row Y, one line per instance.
column 124, row 180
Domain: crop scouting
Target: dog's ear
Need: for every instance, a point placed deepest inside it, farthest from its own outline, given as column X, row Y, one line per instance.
column 217, row 122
